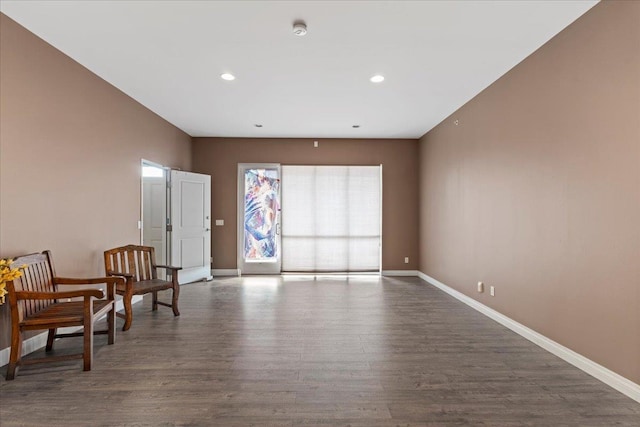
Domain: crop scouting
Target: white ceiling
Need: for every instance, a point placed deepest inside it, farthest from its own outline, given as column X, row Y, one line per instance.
column 168, row 55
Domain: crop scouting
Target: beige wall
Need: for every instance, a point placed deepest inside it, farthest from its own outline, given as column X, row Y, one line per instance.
column 70, row 151
column 219, row 157
column 537, row 191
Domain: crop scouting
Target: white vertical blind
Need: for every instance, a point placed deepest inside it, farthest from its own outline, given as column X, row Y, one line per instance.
column 331, row 218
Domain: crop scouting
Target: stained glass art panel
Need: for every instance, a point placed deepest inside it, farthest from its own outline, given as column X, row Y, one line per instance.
column 261, row 214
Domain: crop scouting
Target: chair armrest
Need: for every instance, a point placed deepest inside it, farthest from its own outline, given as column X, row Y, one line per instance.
column 91, row 281
column 86, row 293
column 111, row 283
column 117, row 273
column 168, row 267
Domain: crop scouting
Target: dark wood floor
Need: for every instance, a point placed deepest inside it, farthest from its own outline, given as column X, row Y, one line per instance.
column 302, row 352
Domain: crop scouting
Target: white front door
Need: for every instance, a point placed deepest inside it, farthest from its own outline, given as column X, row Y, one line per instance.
column 191, row 225
column 259, row 218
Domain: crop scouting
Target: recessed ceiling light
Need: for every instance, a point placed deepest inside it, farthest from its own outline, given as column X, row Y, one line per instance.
column 258, row 125
column 378, row 78
column 355, row 126
column 227, row 76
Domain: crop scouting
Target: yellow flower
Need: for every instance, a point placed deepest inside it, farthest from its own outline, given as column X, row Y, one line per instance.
column 7, row 274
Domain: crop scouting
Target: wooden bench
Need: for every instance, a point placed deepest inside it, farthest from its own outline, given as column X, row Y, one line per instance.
column 137, row 265
column 36, row 303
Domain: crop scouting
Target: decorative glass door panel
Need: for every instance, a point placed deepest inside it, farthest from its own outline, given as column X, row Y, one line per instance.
column 259, row 219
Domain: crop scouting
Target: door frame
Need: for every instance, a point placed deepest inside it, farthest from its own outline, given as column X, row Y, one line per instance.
column 143, row 163
column 256, row 267
column 167, row 242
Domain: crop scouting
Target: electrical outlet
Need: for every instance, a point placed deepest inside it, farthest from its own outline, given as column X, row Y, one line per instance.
column 315, row 144
column 492, row 291
column 406, row 260
column 219, row 222
column 480, row 287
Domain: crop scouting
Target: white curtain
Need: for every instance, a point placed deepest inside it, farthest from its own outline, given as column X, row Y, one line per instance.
column 331, row 218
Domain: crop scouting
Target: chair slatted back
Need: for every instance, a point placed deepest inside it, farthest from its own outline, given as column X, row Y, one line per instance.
column 37, row 277
column 132, row 259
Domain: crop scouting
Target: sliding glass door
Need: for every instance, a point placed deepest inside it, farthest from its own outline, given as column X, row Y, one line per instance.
column 331, row 218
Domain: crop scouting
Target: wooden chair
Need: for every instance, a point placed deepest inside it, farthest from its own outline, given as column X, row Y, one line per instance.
column 36, row 303
column 137, row 264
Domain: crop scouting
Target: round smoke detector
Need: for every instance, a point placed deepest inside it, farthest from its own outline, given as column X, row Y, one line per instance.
column 299, row 28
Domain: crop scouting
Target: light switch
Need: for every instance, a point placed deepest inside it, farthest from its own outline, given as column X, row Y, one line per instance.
column 219, row 221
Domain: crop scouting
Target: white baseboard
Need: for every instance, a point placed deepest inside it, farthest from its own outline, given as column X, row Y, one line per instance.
column 400, row 273
column 226, row 272
column 618, row 382
column 38, row 341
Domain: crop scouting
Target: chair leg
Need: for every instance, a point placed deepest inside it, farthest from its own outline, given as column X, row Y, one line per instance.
column 128, row 315
column 87, row 351
column 154, row 306
column 174, row 299
column 111, row 325
column 15, row 356
column 50, row 338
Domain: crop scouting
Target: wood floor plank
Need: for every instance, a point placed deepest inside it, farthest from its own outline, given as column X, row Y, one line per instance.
column 372, row 352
